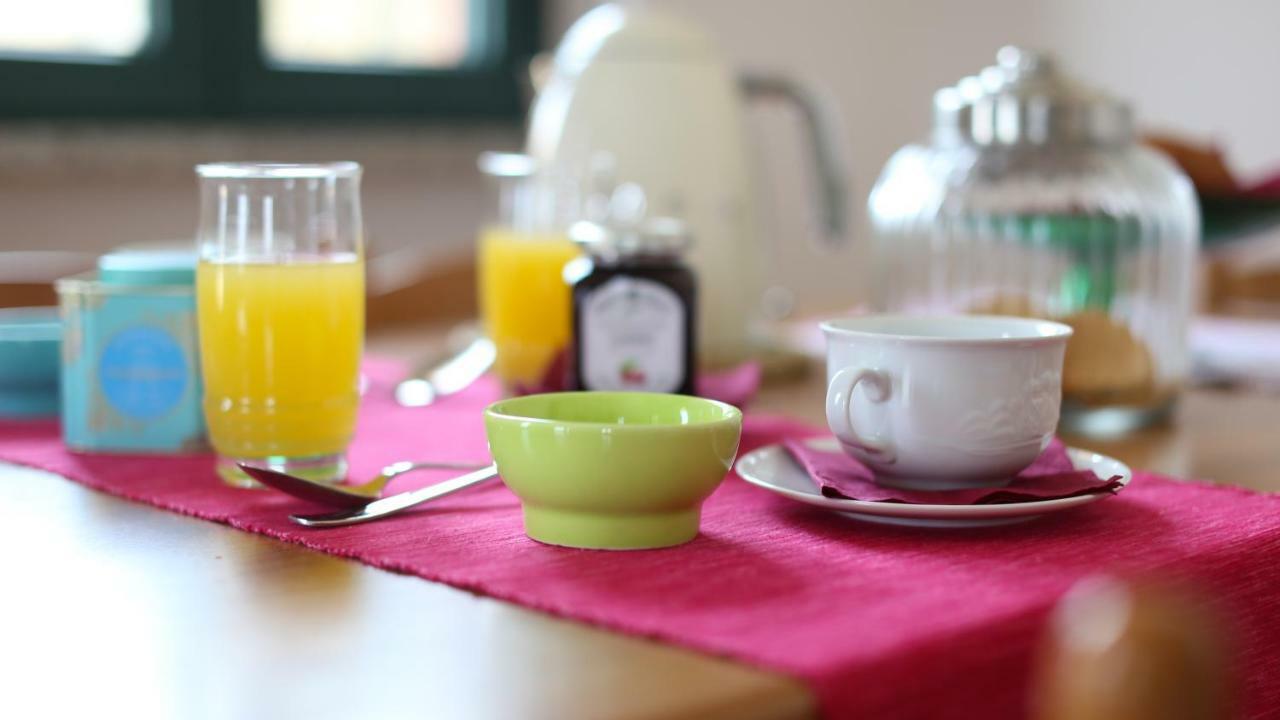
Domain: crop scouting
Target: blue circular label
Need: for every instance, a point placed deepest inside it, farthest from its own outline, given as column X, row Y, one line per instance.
column 142, row 372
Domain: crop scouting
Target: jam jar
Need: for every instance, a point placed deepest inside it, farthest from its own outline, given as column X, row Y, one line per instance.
column 634, row 308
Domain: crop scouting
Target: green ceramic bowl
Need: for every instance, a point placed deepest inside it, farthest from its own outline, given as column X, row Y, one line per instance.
column 612, row 470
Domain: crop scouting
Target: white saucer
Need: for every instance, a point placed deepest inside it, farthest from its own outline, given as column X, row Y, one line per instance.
column 772, row 468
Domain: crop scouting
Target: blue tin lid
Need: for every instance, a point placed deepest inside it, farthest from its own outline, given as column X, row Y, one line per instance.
column 148, row 267
column 30, row 339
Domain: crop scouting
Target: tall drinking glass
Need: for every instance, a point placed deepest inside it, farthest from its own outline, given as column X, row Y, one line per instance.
column 524, row 299
column 280, row 304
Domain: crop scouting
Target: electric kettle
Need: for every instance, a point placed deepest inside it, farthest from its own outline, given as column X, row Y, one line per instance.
column 638, row 94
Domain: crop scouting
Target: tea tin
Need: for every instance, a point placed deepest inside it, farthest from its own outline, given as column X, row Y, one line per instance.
column 130, row 357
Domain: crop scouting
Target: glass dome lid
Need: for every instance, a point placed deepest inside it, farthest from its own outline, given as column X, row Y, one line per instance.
column 1025, row 101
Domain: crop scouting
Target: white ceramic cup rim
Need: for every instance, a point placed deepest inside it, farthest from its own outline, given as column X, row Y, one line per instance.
column 950, row 330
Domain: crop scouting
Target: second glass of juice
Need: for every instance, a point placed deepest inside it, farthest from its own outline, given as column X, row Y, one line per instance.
column 524, row 299
column 280, row 307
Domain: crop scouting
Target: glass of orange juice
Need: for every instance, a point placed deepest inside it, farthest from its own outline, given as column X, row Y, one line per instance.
column 521, row 255
column 280, row 307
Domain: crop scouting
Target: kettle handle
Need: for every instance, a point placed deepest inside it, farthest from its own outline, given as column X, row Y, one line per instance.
column 826, row 163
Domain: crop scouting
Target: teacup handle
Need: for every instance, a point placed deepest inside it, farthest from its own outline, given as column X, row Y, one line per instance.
column 839, row 395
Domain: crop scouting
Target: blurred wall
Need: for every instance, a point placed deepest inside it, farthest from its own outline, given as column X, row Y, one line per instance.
column 1204, row 69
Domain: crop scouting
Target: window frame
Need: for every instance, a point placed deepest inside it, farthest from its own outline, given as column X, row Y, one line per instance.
column 204, row 59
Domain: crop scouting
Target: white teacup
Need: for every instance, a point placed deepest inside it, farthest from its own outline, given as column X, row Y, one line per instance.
column 944, row 402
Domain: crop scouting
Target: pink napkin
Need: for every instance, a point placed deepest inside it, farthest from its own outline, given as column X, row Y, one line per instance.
column 1050, row 477
column 736, row 385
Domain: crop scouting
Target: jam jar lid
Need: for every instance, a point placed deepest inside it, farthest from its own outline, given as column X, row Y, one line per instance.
column 1024, row 100
column 148, row 266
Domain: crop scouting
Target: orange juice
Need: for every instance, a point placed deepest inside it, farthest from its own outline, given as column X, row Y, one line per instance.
column 524, row 299
column 280, row 352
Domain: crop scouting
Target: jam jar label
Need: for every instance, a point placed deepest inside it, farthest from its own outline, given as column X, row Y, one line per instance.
column 633, row 333
column 142, row 372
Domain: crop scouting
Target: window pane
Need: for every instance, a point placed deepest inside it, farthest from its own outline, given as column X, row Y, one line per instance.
column 62, row 28
column 366, row 33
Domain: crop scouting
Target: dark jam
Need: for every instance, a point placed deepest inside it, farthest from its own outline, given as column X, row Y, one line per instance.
column 633, row 324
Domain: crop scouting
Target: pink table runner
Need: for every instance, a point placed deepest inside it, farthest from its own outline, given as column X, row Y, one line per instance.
column 880, row 622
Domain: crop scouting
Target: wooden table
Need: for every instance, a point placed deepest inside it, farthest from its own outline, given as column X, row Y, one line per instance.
column 110, row 605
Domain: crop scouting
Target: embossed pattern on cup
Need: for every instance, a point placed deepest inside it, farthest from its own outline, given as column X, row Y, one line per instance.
column 941, row 402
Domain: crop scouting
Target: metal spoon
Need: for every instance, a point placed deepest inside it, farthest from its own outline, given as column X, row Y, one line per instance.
column 342, row 496
column 396, row 503
column 455, row 374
